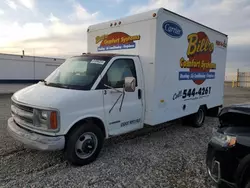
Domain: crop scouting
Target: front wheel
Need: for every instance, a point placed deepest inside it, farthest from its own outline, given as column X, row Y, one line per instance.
column 84, row 144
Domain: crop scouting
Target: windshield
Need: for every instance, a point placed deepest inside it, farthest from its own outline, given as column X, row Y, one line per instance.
column 77, row 72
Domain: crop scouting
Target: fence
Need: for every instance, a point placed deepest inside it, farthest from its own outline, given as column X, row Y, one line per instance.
column 242, row 79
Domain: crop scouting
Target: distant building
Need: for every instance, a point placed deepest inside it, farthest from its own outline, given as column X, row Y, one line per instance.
column 26, row 69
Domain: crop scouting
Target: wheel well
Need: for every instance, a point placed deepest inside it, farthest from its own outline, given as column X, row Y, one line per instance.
column 246, row 176
column 204, row 106
column 94, row 120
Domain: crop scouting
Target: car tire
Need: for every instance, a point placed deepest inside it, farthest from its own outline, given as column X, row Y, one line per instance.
column 198, row 118
column 223, row 185
column 247, row 184
column 83, row 144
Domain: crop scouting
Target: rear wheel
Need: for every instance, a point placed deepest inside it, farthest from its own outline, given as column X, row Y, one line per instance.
column 84, row 144
column 195, row 120
column 199, row 118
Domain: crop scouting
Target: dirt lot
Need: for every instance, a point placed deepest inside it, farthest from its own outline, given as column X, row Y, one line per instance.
column 166, row 156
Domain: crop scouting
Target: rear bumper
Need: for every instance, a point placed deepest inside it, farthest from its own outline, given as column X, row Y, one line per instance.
column 34, row 140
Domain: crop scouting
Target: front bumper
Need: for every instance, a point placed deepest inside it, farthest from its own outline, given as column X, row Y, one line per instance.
column 34, row 140
column 221, row 165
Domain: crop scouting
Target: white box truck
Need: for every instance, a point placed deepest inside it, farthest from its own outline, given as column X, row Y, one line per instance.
column 149, row 68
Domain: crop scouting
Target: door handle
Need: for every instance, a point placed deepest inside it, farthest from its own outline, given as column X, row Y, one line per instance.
column 139, row 93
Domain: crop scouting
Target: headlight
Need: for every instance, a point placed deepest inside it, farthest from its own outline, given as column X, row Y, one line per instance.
column 224, row 140
column 44, row 115
column 45, row 119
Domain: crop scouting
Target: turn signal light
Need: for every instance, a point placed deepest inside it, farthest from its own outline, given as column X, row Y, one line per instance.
column 53, row 120
column 232, row 141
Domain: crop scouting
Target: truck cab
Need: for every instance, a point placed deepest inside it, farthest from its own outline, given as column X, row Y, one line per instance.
column 86, row 90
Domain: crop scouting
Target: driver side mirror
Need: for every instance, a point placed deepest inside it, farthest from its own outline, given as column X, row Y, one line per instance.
column 129, row 85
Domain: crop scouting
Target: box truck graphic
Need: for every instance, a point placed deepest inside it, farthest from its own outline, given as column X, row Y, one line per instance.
column 199, row 52
column 116, row 41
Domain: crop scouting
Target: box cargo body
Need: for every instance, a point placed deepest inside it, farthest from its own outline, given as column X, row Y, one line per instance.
column 183, row 61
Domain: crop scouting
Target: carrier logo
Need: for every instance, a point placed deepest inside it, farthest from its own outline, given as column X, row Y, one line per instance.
column 199, row 62
column 172, row 29
column 116, row 41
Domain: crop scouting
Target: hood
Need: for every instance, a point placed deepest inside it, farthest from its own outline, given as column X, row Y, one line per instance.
column 46, row 96
column 235, row 115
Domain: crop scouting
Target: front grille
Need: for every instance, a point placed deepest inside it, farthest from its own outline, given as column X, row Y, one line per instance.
column 25, row 108
column 23, row 115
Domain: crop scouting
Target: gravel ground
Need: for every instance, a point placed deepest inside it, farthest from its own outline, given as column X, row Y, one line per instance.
column 166, row 156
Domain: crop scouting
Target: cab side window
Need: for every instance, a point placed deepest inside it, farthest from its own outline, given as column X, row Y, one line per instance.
column 117, row 72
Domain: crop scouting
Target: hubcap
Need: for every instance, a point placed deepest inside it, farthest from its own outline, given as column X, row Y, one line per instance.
column 86, row 145
column 200, row 116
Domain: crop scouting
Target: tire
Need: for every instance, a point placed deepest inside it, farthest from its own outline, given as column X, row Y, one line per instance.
column 199, row 118
column 247, row 184
column 186, row 120
column 194, row 120
column 84, row 144
column 223, row 185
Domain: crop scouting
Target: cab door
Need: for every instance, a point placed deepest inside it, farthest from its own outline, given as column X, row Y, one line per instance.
column 123, row 110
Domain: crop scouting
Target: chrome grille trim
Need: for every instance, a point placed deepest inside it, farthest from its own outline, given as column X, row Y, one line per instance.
column 20, row 112
column 22, row 115
column 30, row 108
column 22, row 107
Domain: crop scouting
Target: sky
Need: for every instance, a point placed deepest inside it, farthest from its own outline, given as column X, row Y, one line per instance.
column 58, row 27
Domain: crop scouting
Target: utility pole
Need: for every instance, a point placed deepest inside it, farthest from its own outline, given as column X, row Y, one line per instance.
column 34, row 64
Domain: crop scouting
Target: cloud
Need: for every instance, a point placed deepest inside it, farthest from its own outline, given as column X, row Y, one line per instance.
column 153, row 4
column 11, row 4
column 12, row 32
column 119, row 1
column 227, row 16
column 114, row 1
column 80, row 13
column 53, row 18
column 58, row 37
column 27, row 3
column 66, row 37
column 1, row 12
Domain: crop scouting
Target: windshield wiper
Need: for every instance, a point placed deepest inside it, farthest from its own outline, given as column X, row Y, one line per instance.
column 65, row 86
column 44, row 81
column 58, row 85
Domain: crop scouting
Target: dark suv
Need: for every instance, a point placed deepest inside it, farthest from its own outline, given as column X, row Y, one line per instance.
column 228, row 154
